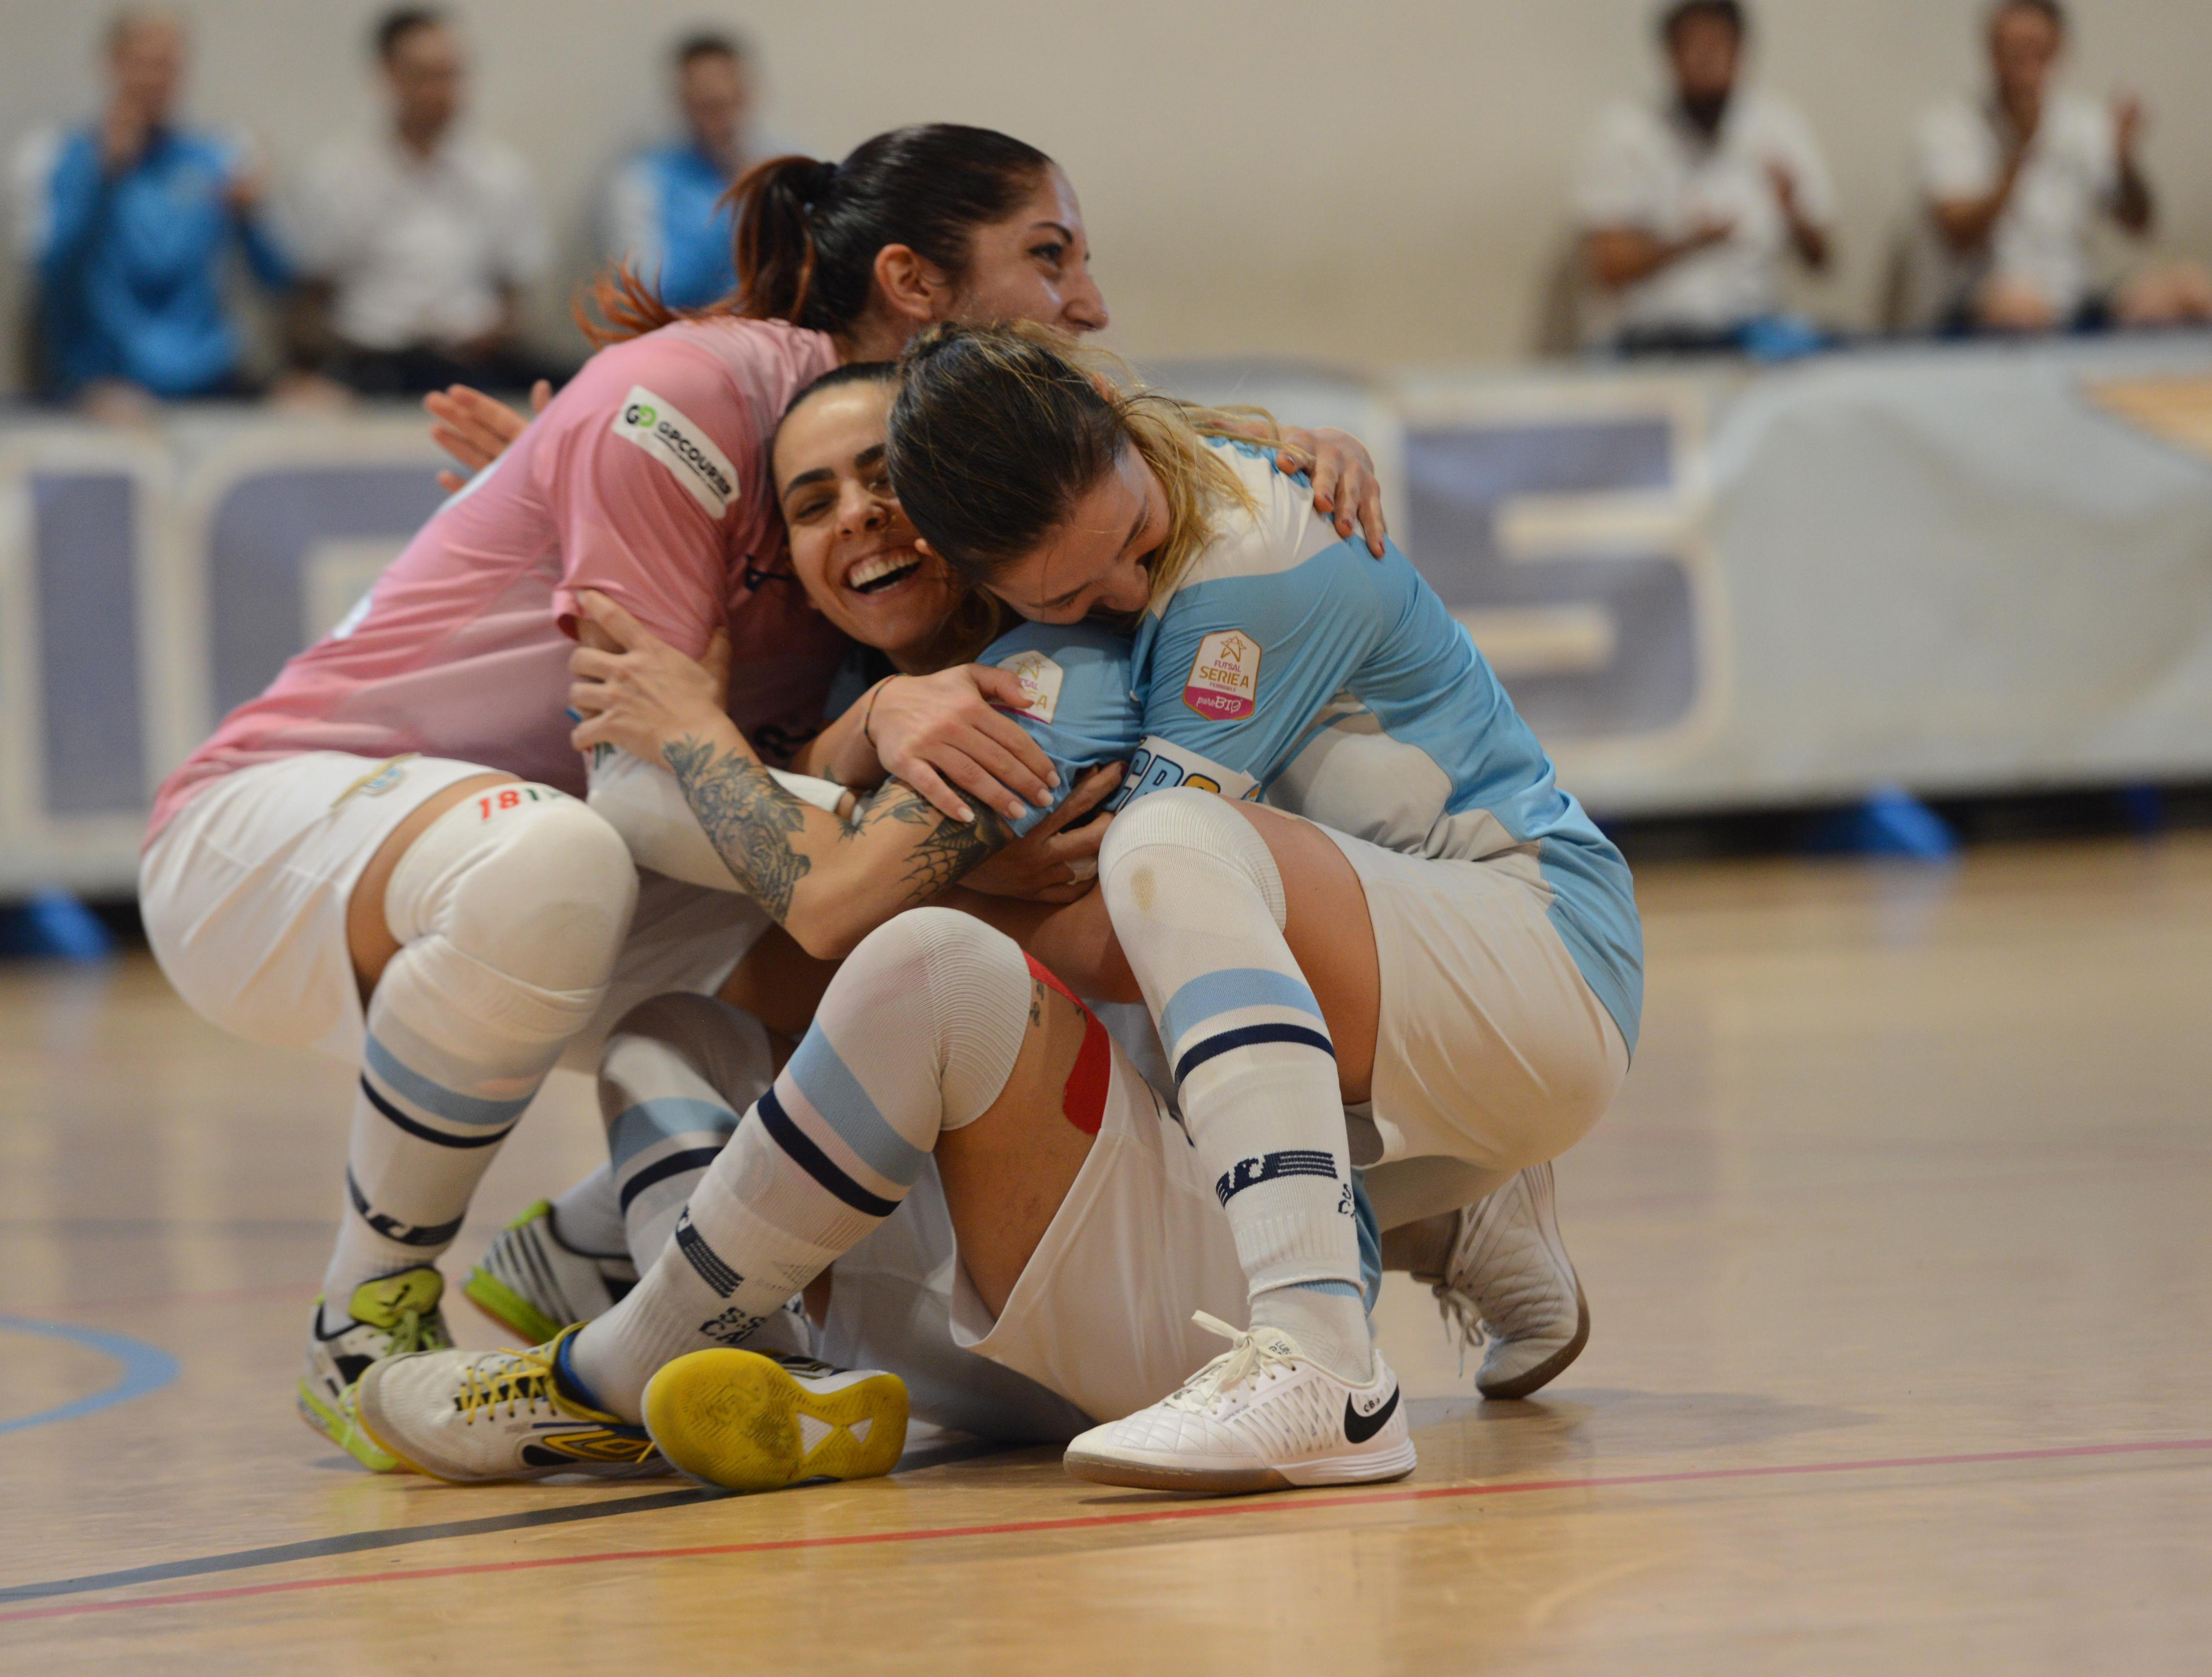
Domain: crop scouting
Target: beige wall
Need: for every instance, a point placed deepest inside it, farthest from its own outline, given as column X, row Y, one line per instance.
column 1368, row 183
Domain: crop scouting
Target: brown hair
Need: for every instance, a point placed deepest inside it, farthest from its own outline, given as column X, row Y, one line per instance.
column 808, row 231
column 996, row 431
column 977, row 617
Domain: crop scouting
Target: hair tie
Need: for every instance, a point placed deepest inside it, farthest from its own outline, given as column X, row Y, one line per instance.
column 820, row 183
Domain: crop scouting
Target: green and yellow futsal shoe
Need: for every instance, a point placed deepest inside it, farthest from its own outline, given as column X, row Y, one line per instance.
column 747, row 1422
column 533, row 1283
column 390, row 1317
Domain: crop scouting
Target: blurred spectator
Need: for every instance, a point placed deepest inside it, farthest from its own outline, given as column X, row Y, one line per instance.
column 665, row 216
column 1688, row 207
column 126, row 224
column 2014, row 185
column 421, row 237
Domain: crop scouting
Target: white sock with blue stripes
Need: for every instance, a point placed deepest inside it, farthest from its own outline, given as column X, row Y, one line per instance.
column 673, row 1077
column 1198, row 903
column 917, row 1034
column 509, row 915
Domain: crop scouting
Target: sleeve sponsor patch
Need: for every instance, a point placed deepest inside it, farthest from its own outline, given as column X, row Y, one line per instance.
column 1159, row 764
column 1225, row 678
column 1041, row 678
column 661, row 428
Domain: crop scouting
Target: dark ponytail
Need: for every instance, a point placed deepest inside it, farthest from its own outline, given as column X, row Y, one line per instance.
column 808, row 231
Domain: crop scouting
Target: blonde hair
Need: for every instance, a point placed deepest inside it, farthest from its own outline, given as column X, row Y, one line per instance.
column 996, row 431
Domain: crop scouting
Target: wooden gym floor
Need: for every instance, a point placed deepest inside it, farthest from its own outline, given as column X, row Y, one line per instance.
column 1897, row 1246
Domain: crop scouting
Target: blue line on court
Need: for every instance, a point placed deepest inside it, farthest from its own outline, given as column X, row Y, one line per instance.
column 145, row 1368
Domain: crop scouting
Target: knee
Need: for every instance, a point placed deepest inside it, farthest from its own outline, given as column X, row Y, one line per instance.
column 1156, row 830
column 924, row 950
column 541, row 890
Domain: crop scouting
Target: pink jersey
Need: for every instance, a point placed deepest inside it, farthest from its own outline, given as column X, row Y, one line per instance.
column 647, row 479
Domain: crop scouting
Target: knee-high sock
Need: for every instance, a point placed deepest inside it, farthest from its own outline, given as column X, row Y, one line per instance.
column 917, row 1034
column 587, row 1216
column 1197, row 902
column 509, row 914
column 675, row 1072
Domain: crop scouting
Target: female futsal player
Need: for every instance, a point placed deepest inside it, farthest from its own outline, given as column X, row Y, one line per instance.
column 384, row 856
column 741, row 1222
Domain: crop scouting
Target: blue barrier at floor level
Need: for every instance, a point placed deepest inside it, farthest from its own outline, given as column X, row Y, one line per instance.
column 1892, row 822
column 54, row 925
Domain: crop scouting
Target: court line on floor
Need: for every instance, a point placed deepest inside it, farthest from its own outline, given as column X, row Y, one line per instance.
column 1091, row 1522
column 146, row 1369
column 394, row 1537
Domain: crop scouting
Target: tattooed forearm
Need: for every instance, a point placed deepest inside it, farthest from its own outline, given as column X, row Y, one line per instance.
column 749, row 817
column 945, row 850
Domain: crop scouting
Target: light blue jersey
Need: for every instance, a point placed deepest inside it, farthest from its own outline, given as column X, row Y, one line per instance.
column 1291, row 665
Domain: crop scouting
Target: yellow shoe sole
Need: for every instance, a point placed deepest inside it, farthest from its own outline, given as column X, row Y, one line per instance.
column 736, row 1419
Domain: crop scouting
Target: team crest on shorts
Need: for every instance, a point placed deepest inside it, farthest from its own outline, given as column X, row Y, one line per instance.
column 1041, row 678
column 1225, row 676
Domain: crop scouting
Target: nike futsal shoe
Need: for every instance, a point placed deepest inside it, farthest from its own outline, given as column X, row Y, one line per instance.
column 748, row 1422
column 390, row 1317
column 533, row 1283
column 1509, row 1279
column 1262, row 1416
column 471, row 1416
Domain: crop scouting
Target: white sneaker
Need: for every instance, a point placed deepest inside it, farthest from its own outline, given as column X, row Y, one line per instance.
column 1509, row 1279
column 1262, row 1416
column 470, row 1416
column 534, row 1284
column 390, row 1317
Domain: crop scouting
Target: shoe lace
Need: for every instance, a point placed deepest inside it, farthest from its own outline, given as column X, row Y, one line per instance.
column 416, row 1330
column 508, row 1380
column 1248, row 1358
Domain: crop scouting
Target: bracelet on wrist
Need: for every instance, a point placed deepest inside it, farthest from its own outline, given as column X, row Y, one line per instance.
column 868, row 716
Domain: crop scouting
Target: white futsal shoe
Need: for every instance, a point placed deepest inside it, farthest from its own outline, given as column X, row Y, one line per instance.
column 534, row 1284
column 390, row 1317
column 1262, row 1416
column 468, row 1416
column 1508, row 1280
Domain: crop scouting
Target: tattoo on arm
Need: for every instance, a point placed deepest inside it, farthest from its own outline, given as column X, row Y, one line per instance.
column 751, row 818
column 756, row 826
column 945, row 850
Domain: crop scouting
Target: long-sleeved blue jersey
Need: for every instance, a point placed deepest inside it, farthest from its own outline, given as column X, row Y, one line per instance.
column 1292, row 666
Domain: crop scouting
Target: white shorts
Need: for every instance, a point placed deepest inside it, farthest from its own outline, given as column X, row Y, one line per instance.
column 243, row 895
column 1097, row 1326
column 1490, row 1047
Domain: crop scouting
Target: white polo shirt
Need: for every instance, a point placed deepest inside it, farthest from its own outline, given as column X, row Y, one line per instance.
column 2070, row 177
column 418, row 247
column 1650, row 169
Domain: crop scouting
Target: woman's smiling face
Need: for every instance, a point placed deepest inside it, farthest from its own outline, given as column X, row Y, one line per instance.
column 850, row 544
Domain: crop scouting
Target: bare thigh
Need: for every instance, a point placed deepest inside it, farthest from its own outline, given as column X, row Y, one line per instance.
column 367, row 935
column 1006, row 1175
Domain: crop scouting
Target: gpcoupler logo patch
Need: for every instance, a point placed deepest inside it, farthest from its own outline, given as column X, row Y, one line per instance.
column 660, row 428
column 1225, row 676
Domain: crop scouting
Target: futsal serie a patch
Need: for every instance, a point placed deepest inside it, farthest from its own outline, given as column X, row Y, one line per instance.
column 662, row 430
column 1040, row 679
column 1225, row 678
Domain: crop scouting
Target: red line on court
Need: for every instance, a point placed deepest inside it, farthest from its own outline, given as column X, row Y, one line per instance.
column 1143, row 1517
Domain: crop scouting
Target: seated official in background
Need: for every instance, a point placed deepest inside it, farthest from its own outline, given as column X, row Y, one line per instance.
column 2015, row 184
column 127, row 225
column 419, row 239
column 1688, row 209
column 664, row 214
